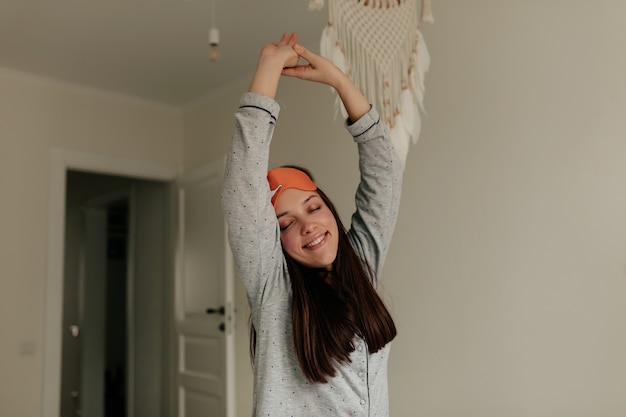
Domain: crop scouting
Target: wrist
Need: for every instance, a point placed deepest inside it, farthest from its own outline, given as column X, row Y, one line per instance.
column 271, row 62
column 267, row 75
column 341, row 83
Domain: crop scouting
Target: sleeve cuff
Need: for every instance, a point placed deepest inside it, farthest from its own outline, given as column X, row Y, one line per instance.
column 260, row 101
column 362, row 126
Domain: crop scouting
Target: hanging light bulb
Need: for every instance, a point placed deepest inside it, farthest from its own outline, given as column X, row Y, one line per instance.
column 214, row 43
column 214, row 35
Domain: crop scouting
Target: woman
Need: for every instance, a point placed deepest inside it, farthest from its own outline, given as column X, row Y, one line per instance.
column 321, row 332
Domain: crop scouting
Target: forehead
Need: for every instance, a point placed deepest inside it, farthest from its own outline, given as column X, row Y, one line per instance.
column 292, row 198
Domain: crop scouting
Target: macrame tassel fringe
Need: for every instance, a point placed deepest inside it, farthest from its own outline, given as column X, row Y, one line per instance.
column 394, row 85
column 330, row 48
column 408, row 121
column 427, row 11
column 422, row 64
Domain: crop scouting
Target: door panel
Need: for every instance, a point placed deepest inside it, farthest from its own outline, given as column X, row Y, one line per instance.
column 203, row 284
column 201, row 406
column 203, row 252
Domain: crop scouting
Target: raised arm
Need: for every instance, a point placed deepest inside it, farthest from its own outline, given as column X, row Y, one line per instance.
column 378, row 194
column 252, row 226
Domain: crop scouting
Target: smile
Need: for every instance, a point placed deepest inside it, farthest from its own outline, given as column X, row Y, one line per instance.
column 316, row 242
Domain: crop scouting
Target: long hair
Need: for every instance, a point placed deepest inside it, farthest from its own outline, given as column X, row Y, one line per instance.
column 330, row 307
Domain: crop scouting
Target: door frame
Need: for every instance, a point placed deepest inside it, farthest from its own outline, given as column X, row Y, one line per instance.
column 62, row 160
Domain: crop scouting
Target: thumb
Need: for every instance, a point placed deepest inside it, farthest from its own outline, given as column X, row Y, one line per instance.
column 302, row 51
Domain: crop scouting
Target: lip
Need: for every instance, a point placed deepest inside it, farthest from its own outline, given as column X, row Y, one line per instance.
column 321, row 239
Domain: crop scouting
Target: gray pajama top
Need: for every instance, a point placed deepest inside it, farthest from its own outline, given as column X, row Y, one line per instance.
column 280, row 388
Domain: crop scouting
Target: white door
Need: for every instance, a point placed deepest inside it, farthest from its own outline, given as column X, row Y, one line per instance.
column 204, row 299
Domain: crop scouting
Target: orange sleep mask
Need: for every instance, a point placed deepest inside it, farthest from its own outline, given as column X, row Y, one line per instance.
column 283, row 178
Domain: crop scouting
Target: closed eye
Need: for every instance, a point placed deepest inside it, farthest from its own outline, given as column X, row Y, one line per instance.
column 285, row 226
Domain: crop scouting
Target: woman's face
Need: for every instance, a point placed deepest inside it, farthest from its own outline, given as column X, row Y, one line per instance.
column 308, row 229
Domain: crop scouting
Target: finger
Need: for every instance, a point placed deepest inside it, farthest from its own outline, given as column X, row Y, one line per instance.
column 297, row 71
column 293, row 39
column 283, row 39
column 303, row 52
column 289, row 71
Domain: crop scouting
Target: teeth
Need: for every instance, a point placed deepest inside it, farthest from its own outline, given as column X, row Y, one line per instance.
column 315, row 242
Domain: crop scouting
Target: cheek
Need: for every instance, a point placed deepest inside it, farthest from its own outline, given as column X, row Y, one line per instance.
column 288, row 240
column 330, row 220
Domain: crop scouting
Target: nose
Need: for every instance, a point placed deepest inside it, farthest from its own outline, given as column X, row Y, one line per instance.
column 308, row 227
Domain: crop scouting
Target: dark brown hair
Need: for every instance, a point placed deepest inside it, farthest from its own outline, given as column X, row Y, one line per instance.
column 330, row 307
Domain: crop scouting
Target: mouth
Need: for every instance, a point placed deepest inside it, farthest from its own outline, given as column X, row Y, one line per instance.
column 317, row 242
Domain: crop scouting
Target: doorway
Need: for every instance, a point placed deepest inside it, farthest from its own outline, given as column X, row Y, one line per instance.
column 156, row 386
column 115, row 296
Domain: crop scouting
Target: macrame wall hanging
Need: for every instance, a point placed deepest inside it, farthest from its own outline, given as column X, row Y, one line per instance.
column 379, row 45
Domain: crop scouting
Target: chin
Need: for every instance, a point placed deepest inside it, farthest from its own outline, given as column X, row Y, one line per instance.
column 320, row 264
column 328, row 264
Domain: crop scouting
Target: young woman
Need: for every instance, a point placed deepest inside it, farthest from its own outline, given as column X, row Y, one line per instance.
column 322, row 333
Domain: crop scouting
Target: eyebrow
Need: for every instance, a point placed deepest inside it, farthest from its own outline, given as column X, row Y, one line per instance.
column 284, row 213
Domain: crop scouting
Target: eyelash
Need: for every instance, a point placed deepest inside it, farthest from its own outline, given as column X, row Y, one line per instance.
column 283, row 228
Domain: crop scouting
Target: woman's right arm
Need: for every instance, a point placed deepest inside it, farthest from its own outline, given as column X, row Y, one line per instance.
column 252, row 227
column 253, row 231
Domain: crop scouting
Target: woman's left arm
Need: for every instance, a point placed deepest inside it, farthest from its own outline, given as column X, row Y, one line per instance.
column 378, row 194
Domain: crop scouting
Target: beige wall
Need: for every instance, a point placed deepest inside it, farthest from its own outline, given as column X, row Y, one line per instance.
column 513, row 226
column 36, row 116
column 507, row 271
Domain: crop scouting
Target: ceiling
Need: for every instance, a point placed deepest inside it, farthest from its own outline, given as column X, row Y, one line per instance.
column 152, row 49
